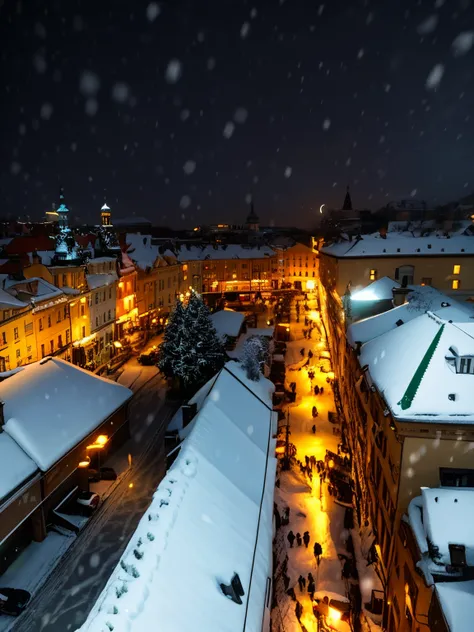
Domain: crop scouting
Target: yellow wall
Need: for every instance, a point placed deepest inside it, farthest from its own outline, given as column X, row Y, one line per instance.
column 338, row 273
column 299, row 264
column 80, row 317
column 51, row 326
column 17, row 330
column 126, row 295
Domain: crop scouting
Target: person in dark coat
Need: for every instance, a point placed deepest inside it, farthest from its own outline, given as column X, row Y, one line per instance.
column 310, row 354
column 310, row 578
column 321, row 390
column 302, row 352
column 314, row 428
column 314, row 412
column 301, row 583
column 318, row 551
column 316, row 390
column 299, row 541
column 312, row 458
column 306, row 538
column 306, row 458
column 311, row 590
column 291, row 593
column 291, row 538
column 298, row 610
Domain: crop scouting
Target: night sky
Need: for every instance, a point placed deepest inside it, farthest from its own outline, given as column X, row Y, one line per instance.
column 182, row 110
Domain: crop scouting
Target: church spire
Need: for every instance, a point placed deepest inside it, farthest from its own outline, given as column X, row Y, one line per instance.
column 347, row 206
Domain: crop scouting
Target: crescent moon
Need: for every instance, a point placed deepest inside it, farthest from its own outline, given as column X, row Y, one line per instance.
column 321, row 208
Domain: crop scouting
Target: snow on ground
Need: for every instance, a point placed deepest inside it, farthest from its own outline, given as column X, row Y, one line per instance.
column 33, row 566
column 311, row 507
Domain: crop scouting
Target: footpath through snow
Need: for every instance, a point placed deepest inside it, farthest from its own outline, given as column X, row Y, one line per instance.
column 312, row 508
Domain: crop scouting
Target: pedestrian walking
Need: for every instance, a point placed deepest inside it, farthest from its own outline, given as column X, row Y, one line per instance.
column 301, row 583
column 291, row 593
column 312, row 458
column 299, row 540
column 321, row 390
column 317, row 551
column 316, row 390
column 302, row 352
column 306, row 458
column 306, row 538
column 314, row 412
column 298, row 610
column 310, row 354
column 291, row 538
column 310, row 474
column 310, row 578
column 313, row 428
column 311, row 590
column 305, row 333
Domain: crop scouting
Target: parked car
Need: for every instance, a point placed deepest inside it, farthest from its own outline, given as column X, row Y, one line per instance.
column 88, row 502
column 13, row 601
column 149, row 357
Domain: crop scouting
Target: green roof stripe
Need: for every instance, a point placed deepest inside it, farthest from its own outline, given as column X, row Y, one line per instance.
column 415, row 382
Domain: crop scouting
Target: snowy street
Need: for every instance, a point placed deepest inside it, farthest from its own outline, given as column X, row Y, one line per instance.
column 71, row 590
column 312, row 508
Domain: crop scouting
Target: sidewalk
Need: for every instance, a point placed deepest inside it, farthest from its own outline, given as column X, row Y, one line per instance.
column 312, row 508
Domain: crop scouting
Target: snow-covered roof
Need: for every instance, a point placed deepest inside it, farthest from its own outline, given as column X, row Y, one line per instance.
column 95, row 281
column 397, row 244
column 412, row 367
column 8, row 301
column 52, row 405
column 15, row 465
column 448, row 516
column 230, row 251
column 210, row 517
column 380, row 290
column 46, row 256
column 421, row 300
column 457, row 603
column 227, row 322
column 141, row 250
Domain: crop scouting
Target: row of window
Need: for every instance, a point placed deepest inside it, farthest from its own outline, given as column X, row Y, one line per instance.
column 406, row 275
column 105, row 318
column 102, row 296
column 61, row 343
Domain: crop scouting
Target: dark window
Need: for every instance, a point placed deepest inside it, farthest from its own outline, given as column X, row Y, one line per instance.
column 454, row 477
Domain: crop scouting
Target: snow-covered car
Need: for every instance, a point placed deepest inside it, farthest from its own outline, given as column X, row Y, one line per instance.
column 88, row 502
column 333, row 611
column 149, row 357
column 13, row 601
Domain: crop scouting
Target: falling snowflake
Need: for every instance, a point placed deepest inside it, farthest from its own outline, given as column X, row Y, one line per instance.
column 320, row 9
column 253, row 13
column 326, row 124
column 91, row 107
column 211, row 63
column 428, row 25
column 152, row 11
column 248, row 198
column 174, row 71
column 40, row 31
column 228, row 129
column 288, row 172
column 369, row 19
column 73, row 147
column 200, row 37
column 184, row 115
column 46, row 111
column 185, row 201
column 89, row 83
column 22, row 129
column 15, row 168
column 439, row 4
column 189, row 167
column 120, row 92
column 245, row 30
column 348, row 162
column 39, row 62
column 414, row 192
column 360, row 54
column 435, row 76
column 462, row 44
column 240, row 115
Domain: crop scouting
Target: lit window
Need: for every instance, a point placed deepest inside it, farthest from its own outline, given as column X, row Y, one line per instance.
column 455, row 284
column 456, row 269
column 426, row 281
column 373, row 274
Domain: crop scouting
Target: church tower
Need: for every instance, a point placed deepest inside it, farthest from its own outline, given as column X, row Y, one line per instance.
column 252, row 222
column 66, row 252
column 347, row 206
column 105, row 215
